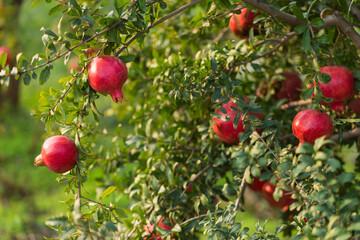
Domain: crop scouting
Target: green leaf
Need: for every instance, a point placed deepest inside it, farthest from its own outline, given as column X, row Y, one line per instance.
column 307, row 93
column 142, row 5
column 214, row 65
column 3, row 58
column 55, row 9
column 297, row 12
column 236, row 120
column 36, row 2
column 88, row 19
column 216, row 95
column 108, row 191
column 44, row 75
column 297, row 237
column 317, row 22
column 300, row 29
column 345, row 177
column 128, row 58
column 324, row 78
column 306, row 40
column 26, row 79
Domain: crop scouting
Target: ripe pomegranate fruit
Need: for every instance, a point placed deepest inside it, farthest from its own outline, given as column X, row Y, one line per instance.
column 289, row 88
column 58, row 153
column 107, row 74
column 268, row 191
column 257, row 185
column 308, row 125
column 225, row 129
column 340, row 88
column 240, row 24
column 149, row 230
column 4, row 49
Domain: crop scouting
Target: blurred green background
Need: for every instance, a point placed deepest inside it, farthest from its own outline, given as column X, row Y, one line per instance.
column 31, row 195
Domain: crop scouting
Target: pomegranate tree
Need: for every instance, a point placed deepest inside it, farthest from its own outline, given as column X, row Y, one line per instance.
column 107, row 74
column 59, row 154
column 308, row 125
column 341, row 86
column 240, row 24
column 225, row 129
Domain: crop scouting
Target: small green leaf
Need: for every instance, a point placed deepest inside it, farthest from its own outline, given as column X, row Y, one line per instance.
column 216, row 94
column 128, row 58
column 55, row 9
column 300, row 29
column 317, row 22
column 26, row 79
column 306, row 40
column 297, row 12
column 214, row 65
column 324, row 78
column 44, row 75
column 36, row 2
column 108, row 191
column 3, row 58
column 307, row 93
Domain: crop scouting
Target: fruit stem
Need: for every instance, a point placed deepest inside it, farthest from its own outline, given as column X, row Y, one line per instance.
column 118, row 96
column 38, row 161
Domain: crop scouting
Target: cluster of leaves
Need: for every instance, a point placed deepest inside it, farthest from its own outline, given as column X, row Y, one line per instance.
column 178, row 76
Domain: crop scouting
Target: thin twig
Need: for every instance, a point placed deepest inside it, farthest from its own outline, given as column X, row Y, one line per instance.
column 195, row 178
column 99, row 203
column 198, row 217
column 295, row 104
column 237, row 203
column 347, row 135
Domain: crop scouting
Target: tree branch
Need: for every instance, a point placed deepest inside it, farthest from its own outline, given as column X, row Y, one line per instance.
column 335, row 19
column 295, row 104
column 347, row 135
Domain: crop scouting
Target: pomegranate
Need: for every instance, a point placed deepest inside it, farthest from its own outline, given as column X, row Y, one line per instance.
column 240, row 24
column 308, row 125
column 289, row 88
column 257, row 185
column 107, row 74
column 58, row 153
column 225, row 129
column 268, row 191
column 149, row 230
column 340, row 88
column 4, row 49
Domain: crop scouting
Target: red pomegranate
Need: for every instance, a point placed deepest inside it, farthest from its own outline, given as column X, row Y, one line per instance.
column 308, row 125
column 257, row 185
column 90, row 52
column 149, row 230
column 340, row 88
column 268, row 191
column 6, row 50
column 225, row 129
column 288, row 88
column 58, row 153
column 107, row 74
column 240, row 24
